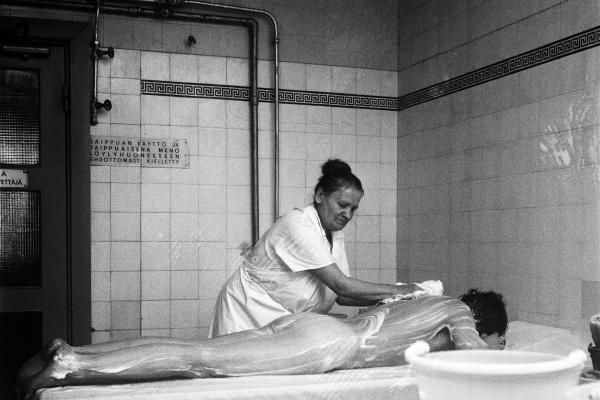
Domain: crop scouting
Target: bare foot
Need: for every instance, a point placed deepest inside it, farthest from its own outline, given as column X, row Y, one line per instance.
column 36, row 363
column 60, row 361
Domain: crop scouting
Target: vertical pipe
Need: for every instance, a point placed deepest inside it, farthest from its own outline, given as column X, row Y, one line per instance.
column 253, row 27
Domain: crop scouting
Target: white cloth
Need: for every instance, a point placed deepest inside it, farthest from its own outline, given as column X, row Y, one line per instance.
column 275, row 279
column 431, row 288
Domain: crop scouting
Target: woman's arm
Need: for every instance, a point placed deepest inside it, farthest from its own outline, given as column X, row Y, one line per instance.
column 350, row 288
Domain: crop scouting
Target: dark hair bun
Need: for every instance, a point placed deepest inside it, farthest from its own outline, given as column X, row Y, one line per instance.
column 335, row 167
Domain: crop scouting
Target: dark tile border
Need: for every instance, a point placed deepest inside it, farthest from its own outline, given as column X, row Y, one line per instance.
column 184, row 89
column 543, row 54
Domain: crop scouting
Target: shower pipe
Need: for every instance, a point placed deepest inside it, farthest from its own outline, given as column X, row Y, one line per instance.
column 133, row 8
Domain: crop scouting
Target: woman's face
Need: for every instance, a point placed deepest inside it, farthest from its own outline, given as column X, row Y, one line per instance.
column 337, row 209
column 494, row 340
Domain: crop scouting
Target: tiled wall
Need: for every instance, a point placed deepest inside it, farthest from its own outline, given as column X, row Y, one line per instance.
column 164, row 240
column 499, row 183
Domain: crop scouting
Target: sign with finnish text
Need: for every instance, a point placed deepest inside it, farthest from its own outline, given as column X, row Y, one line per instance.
column 13, row 178
column 134, row 152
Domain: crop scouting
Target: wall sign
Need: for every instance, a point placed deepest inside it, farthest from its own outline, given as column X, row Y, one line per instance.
column 135, row 152
column 13, row 178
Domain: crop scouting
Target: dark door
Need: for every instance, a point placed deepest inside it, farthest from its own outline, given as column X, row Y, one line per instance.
column 33, row 201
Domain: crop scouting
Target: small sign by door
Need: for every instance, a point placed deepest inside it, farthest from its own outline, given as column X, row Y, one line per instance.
column 13, row 178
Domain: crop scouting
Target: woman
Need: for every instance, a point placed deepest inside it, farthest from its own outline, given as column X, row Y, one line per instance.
column 302, row 343
column 300, row 263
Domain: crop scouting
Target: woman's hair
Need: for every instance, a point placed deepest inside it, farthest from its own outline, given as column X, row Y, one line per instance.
column 488, row 309
column 336, row 174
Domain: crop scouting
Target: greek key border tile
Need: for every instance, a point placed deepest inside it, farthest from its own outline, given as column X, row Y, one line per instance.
column 184, row 89
column 543, row 54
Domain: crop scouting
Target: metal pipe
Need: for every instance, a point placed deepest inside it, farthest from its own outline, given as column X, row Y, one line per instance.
column 137, row 10
column 271, row 17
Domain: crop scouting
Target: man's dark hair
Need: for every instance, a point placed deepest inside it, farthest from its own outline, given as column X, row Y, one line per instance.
column 488, row 309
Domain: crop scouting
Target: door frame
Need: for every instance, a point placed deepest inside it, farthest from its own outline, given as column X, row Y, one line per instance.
column 75, row 37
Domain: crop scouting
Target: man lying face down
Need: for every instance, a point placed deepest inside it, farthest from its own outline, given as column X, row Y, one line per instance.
column 303, row 343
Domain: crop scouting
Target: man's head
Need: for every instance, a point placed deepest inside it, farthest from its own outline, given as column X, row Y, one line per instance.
column 489, row 312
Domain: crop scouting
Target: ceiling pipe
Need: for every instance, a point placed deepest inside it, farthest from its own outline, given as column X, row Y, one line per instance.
column 135, row 8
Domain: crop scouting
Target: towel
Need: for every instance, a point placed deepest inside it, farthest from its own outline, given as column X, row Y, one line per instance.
column 431, row 288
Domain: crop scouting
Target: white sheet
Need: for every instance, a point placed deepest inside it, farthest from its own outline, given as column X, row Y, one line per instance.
column 397, row 383
column 361, row 384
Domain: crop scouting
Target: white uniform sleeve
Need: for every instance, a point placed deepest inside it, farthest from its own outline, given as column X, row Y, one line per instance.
column 303, row 247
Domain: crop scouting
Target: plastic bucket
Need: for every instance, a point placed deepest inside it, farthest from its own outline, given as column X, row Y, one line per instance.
column 493, row 374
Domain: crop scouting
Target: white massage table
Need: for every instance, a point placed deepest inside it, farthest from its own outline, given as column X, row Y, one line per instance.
column 396, row 383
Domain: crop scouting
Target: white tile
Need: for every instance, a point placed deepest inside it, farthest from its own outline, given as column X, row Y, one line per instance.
column 318, row 119
column 154, row 110
column 184, row 198
column 292, row 76
column 155, row 197
column 183, row 68
column 212, row 170
column 368, row 122
column 211, row 283
column 343, row 80
column 100, row 286
column 156, row 314
column 343, row 121
column 266, row 74
column 292, row 173
column 238, row 171
column 212, row 70
column 238, row 114
column 100, row 196
column 212, row 227
column 370, row 149
column 238, row 142
column 368, row 82
column 155, row 66
column 183, row 111
column 125, row 197
column 184, row 256
column 100, row 256
column 344, row 147
column 100, row 315
column 367, row 228
column 389, row 83
column 212, row 113
column 313, row 173
column 292, row 118
column 156, row 285
column 367, row 257
column 318, row 78
column 184, row 313
column 370, row 203
column 388, row 202
column 212, row 199
column 125, row 256
column 99, row 173
column 184, row 284
column 389, row 150
column 369, row 174
column 124, row 86
column 124, row 286
column 156, row 227
column 213, row 142
column 125, row 319
column 156, row 256
column 184, row 226
column 239, row 228
column 125, row 109
column 211, row 256
column 238, row 72
column 238, row 199
column 189, row 176
column 388, row 176
column 100, row 226
column 125, row 64
column 318, row 146
column 124, row 226
column 292, row 146
column 186, row 134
